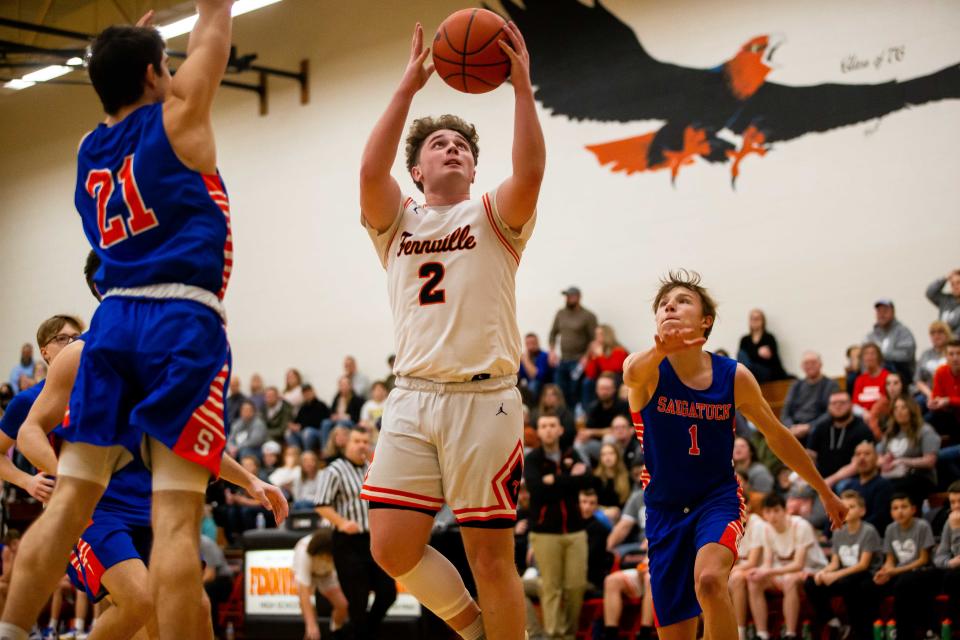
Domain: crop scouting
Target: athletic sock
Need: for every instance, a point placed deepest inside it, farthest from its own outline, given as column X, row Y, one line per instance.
column 763, row 635
column 12, row 632
column 611, row 633
column 474, row 630
column 79, row 624
column 742, row 633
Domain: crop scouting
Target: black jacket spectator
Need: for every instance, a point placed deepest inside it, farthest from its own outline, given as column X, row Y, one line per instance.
column 834, row 444
column 764, row 369
column 312, row 414
column 555, row 507
column 600, row 416
column 354, row 405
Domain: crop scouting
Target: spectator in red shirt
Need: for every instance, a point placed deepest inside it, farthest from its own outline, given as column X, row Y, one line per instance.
column 945, row 403
column 604, row 355
column 870, row 385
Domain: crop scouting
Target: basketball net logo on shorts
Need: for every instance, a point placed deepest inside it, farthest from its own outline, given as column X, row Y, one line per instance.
column 460, row 239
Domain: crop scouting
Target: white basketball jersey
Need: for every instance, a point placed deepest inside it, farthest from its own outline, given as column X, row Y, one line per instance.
column 451, row 275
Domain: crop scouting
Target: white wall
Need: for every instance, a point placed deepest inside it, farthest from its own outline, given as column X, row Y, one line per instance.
column 815, row 231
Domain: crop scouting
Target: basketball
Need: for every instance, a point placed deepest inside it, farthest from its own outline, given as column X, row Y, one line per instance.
column 466, row 53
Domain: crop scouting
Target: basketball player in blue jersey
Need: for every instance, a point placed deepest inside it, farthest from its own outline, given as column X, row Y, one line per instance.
column 452, row 428
column 156, row 359
column 53, row 335
column 684, row 400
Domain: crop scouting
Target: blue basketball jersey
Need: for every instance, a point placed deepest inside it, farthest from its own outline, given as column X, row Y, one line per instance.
column 150, row 218
column 19, row 409
column 687, row 437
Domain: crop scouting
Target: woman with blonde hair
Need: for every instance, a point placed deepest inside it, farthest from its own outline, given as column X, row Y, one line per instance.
column 614, row 481
column 932, row 358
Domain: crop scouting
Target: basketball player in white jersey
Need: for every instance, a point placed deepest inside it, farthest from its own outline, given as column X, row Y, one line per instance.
column 452, row 427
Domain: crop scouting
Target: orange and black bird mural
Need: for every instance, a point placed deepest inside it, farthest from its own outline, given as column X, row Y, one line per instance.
column 587, row 64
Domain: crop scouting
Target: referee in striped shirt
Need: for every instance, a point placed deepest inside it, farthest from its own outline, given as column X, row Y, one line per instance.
column 338, row 500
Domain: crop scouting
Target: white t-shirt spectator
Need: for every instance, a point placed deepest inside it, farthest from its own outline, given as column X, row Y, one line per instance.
column 371, row 411
column 753, row 535
column 285, row 477
column 783, row 545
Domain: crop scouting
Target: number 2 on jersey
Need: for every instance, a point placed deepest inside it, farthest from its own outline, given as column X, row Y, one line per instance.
column 429, row 294
column 694, row 449
column 100, row 186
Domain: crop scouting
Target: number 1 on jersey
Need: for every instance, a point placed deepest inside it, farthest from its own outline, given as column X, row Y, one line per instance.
column 694, row 449
column 429, row 294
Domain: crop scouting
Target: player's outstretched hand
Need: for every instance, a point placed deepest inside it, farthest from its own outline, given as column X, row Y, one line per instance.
column 40, row 487
column 519, row 57
column 416, row 74
column 271, row 498
column 836, row 510
column 146, row 20
column 674, row 340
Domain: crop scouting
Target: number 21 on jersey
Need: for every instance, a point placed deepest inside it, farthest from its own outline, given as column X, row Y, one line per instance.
column 100, row 186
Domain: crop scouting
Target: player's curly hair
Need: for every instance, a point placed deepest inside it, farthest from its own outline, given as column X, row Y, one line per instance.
column 423, row 127
column 688, row 280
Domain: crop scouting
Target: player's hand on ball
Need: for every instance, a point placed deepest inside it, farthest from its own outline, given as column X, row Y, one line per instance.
column 416, row 74
column 674, row 340
column 271, row 498
column 519, row 58
column 836, row 510
column 40, row 487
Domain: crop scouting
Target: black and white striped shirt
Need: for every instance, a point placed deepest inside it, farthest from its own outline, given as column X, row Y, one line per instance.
column 340, row 485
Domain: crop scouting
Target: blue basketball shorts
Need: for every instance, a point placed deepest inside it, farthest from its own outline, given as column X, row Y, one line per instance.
column 675, row 536
column 157, row 368
column 108, row 541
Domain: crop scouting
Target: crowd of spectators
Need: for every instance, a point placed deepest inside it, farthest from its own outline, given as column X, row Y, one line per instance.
column 885, row 435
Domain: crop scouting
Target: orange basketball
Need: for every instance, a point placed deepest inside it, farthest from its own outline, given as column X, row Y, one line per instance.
column 466, row 53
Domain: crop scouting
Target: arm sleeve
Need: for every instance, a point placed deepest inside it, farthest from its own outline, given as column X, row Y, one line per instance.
column 888, row 538
column 517, row 240
column 327, row 488
column 786, row 414
column 382, row 241
column 925, row 535
column 942, row 555
column 935, row 289
column 871, row 540
column 929, row 440
column 17, row 412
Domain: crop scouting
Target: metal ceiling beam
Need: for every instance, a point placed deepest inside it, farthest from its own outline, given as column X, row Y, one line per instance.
column 39, row 28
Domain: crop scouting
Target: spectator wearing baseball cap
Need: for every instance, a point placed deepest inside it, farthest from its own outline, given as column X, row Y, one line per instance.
column 576, row 327
column 895, row 340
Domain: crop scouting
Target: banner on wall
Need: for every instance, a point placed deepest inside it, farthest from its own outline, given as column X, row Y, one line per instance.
column 270, row 589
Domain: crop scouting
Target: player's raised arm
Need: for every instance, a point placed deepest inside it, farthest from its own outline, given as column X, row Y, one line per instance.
column 379, row 191
column 188, row 105
column 517, row 196
column 751, row 403
column 49, row 409
column 208, row 51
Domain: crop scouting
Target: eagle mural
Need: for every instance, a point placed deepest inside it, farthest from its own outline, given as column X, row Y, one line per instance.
column 587, row 64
